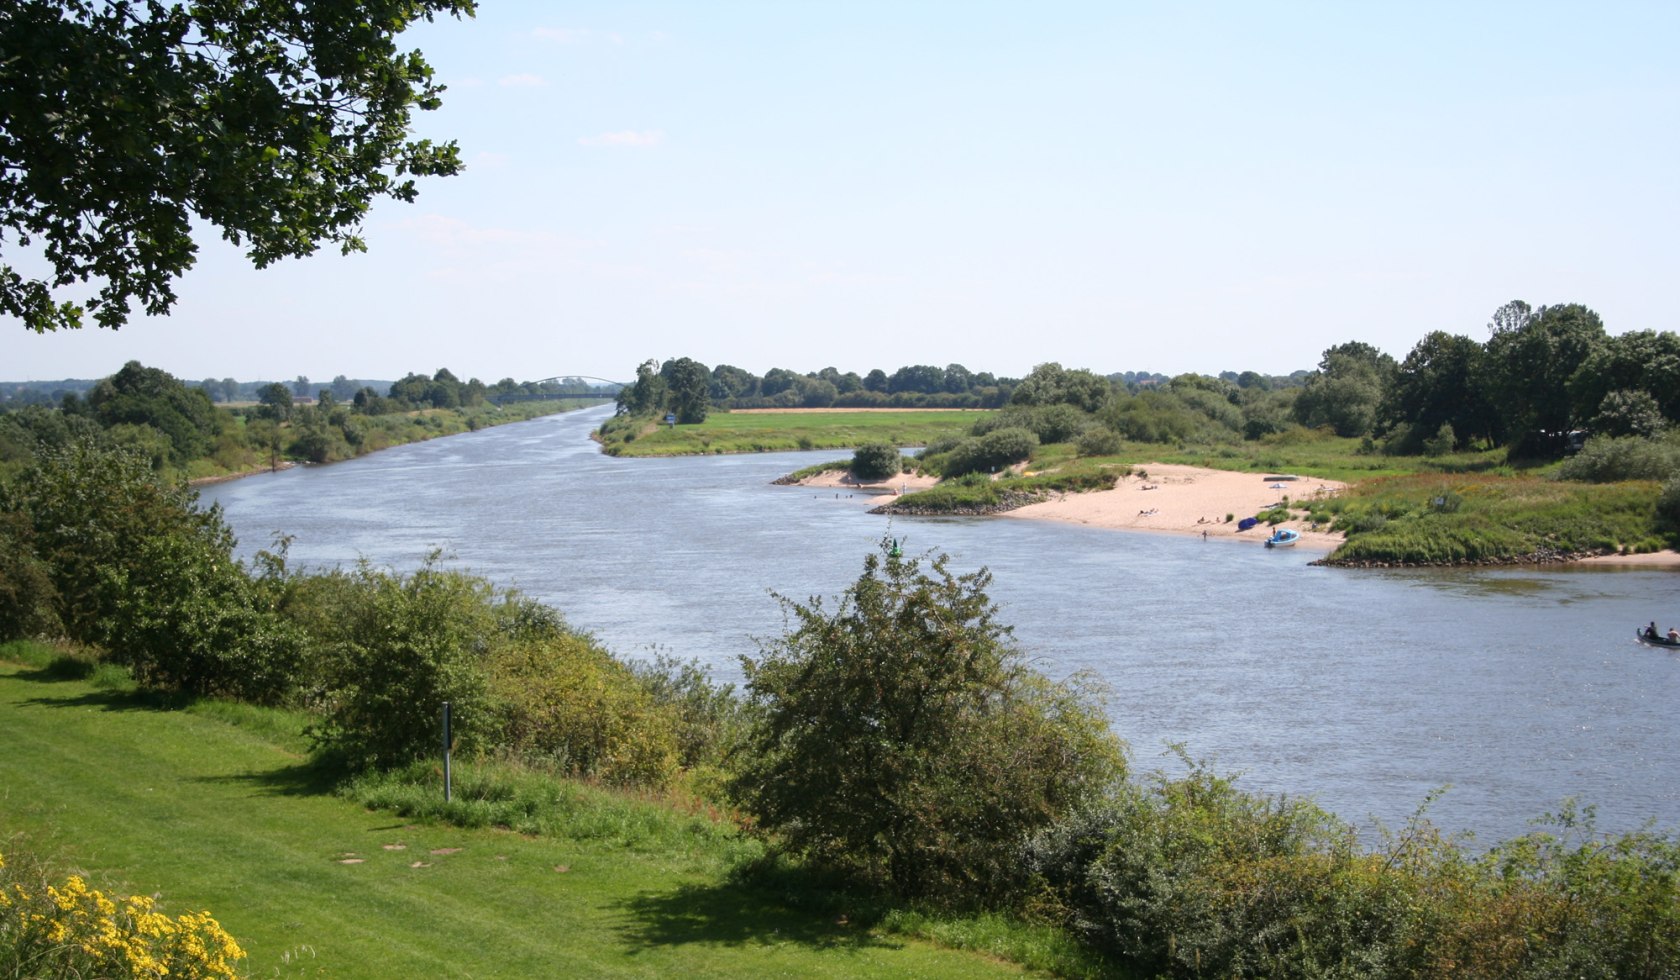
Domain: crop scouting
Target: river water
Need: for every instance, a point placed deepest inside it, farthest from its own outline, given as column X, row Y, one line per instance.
column 1363, row 689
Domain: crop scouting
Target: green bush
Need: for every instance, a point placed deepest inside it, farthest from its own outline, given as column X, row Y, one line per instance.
column 564, row 700
column 1612, row 460
column 876, row 461
column 1099, row 440
column 990, row 452
column 902, row 737
column 400, row 647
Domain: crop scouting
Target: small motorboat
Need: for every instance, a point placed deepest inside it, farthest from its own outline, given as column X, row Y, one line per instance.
column 1283, row 537
column 1652, row 638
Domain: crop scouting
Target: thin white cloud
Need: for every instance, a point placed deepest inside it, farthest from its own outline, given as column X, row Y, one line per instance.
column 624, row 137
column 521, row 80
column 577, row 35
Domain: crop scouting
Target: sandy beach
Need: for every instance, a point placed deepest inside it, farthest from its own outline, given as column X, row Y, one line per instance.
column 1166, row 498
column 1174, row 499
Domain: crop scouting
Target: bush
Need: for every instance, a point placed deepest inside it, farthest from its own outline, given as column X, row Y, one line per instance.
column 1612, row 460
column 876, row 461
column 563, row 700
column 902, row 737
column 1099, row 440
column 401, row 647
column 990, row 452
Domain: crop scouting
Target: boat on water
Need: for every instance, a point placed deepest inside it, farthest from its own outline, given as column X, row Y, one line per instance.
column 1283, row 537
column 1652, row 638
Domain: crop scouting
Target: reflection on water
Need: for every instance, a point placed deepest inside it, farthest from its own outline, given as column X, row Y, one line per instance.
column 1366, row 689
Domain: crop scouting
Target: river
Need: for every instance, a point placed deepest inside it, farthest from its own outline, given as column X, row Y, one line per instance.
column 1364, row 689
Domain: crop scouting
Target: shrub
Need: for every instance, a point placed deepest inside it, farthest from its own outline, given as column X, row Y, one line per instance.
column 564, row 700
column 72, row 930
column 1099, row 440
column 876, row 461
column 28, row 599
column 1612, row 460
column 990, row 452
column 902, row 737
column 402, row 646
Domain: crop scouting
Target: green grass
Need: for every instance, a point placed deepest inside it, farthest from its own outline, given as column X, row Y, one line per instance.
column 215, row 809
column 1457, row 518
column 760, row 432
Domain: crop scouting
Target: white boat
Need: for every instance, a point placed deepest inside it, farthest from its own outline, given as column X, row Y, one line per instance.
column 1283, row 537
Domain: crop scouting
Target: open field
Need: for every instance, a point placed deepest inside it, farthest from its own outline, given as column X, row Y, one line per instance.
column 762, row 431
column 214, row 808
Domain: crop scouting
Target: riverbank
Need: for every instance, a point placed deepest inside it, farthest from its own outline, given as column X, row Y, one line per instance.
column 1157, row 497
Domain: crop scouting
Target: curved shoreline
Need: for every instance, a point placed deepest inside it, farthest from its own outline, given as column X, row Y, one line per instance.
column 1171, row 498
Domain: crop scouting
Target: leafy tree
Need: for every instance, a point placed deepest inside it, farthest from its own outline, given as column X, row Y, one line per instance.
column 902, row 736
column 876, row 380
column 916, row 377
column 647, row 395
column 730, row 382
column 139, row 395
column 1527, row 370
column 876, row 461
column 1051, row 384
column 1347, row 390
column 276, row 401
column 1640, row 360
column 1438, row 385
column 688, row 383
column 125, row 121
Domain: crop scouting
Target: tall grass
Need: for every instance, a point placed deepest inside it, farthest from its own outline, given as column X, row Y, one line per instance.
column 1448, row 518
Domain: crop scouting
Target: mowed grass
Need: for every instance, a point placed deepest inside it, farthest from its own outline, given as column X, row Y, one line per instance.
column 760, row 432
column 217, row 809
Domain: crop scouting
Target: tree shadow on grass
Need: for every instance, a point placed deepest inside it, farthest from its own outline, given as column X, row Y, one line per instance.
column 311, row 777
column 138, row 700
column 740, row 914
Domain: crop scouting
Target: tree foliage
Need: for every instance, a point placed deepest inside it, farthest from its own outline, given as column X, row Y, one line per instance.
column 902, row 736
column 124, row 121
column 876, row 461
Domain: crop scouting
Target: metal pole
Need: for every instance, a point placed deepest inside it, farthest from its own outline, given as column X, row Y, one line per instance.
column 446, row 741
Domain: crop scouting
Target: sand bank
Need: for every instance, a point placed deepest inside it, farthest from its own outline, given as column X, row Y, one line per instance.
column 1175, row 499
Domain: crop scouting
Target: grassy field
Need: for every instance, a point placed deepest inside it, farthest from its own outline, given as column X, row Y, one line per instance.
column 214, row 807
column 760, row 432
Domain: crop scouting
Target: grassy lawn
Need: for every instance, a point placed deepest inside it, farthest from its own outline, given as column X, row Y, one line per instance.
column 215, row 808
column 757, row 432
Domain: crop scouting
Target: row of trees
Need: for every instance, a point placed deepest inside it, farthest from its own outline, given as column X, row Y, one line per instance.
column 176, row 425
column 1542, row 374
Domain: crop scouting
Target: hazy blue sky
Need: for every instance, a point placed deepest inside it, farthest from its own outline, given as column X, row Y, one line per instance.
column 1111, row 185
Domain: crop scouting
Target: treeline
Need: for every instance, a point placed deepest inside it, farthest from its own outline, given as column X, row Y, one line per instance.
column 177, row 427
column 1544, row 380
column 227, row 391
column 688, row 389
column 897, row 742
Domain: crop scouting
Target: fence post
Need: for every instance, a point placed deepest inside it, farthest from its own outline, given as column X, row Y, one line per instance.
column 446, row 742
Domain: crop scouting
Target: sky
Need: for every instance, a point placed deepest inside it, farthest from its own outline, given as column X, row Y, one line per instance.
column 1119, row 186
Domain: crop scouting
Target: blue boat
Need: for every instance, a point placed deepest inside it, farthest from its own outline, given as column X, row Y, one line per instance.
column 1283, row 537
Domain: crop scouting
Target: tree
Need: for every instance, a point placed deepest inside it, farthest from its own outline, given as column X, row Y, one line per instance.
column 139, row 395
column 1438, row 385
column 122, row 122
column 876, row 461
column 902, row 736
column 1347, row 390
column 276, row 401
column 688, row 384
column 1527, row 371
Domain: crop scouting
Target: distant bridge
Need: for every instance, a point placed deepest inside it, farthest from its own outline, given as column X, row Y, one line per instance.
column 559, row 378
